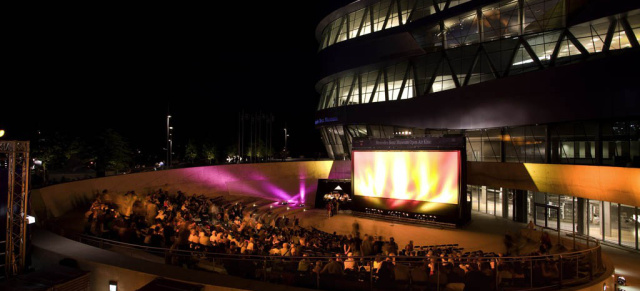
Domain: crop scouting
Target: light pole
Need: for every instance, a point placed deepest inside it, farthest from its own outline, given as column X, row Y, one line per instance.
column 286, row 135
column 169, row 143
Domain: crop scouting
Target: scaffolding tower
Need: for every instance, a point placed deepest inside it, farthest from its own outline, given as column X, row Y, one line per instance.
column 14, row 155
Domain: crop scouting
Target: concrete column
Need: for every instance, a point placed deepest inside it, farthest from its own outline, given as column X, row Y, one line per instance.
column 581, row 213
column 605, row 218
column 520, row 205
column 505, row 203
column 483, row 199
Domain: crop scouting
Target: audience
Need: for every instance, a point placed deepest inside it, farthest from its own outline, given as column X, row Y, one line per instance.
column 205, row 226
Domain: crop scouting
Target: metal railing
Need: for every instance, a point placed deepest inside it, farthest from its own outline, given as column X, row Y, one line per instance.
column 420, row 272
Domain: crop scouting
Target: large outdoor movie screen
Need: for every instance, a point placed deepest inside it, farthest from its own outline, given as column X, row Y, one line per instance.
column 431, row 176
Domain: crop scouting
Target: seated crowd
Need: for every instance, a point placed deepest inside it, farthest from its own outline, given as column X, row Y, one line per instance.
column 206, row 226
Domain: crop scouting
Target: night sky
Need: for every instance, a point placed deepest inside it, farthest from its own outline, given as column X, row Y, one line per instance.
column 79, row 70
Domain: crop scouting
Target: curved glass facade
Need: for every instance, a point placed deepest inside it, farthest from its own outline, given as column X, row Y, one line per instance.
column 477, row 55
column 379, row 16
column 495, row 40
column 611, row 143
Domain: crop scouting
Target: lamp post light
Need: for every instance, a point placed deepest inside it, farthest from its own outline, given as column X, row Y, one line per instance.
column 285, row 138
column 169, row 142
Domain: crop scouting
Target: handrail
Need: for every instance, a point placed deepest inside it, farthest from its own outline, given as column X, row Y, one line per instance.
column 572, row 268
column 161, row 249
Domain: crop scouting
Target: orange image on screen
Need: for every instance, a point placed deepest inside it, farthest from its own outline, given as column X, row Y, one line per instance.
column 431, row 176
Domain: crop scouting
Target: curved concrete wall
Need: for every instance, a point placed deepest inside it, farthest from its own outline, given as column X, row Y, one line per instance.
column 295, row 181
column 604, row 183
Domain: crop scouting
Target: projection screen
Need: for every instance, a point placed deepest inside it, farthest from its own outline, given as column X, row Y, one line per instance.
column 430, row 176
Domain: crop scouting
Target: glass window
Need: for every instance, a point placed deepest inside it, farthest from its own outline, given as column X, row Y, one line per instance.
column 379, row 11
column 542, row 15
column 522, row 62
column 346, row 84
column 343, row 32
column 395, row 80
column 481, row 71
column 510, row 194
column 443, row 79
column 423, row 8
column 491, row 145
column 620, row 39
column 568, row 52
column 493, row 196
column 500, row 53
column 406, row 7
column 500, row 20
column 566, row 213
column 394, row 19
column 530, row 205
column 588, row 37
column 474, row 145
column 610, row 222
column 355, row 19
column 628, row 225
column 366, row 26
column 594, row 219
column 633, row 17
column 461, row 30
column 333, row 33
column 327, row 143
column 475, row 197
column 368, row 83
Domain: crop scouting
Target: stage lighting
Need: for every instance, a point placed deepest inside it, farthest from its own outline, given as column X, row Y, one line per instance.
column 113, row 286
column 31, row 219
column 301, row 205
column 1, row 132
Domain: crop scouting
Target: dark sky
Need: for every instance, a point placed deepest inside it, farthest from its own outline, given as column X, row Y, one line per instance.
column 81, row 69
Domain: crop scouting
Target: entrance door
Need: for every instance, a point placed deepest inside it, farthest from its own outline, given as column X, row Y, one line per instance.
column 547, row 216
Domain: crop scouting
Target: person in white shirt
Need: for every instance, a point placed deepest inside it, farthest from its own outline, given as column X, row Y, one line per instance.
column 350, row 264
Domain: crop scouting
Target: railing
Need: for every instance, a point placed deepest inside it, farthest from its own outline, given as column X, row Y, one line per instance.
column 495, row 273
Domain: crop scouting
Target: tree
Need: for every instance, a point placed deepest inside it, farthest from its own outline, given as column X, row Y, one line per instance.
column 191, row 151
column 56, row 149
column 111, row 151
column 209, row 152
